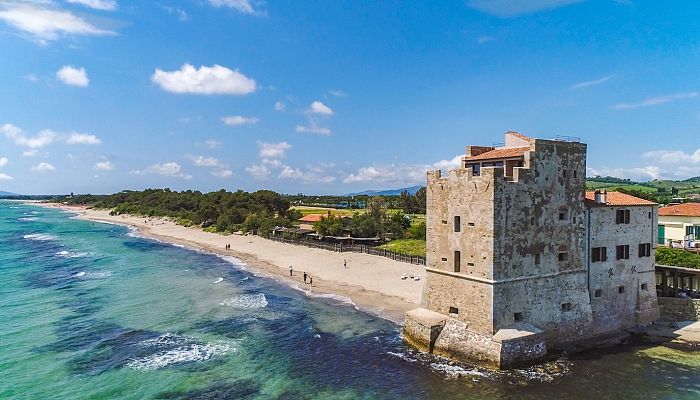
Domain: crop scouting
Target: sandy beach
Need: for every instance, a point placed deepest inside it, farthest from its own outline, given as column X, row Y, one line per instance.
column 373, row 283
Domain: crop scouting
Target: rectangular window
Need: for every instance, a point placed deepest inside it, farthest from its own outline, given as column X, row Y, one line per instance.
column 599, row 254
column 454, row 310
column 518, row 316
column 470, row 264
column 444, row 222
column 644, row 249
column 537, row 258
column 563, row 214
column 621, row 289
column 563, row 256
column 444, row 258
column 563, row 173
column 566, row 307
column 470, row 223
column 458, row 261
column 644, row 286
column 458, row 222
column 575, row 174
column 622, row 252
column 622, row 217
column 598, row 292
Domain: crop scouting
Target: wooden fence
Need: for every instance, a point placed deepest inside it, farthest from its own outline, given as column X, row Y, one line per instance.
column 355, row 248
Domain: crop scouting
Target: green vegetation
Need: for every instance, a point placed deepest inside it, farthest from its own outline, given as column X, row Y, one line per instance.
column 220, row 211
column 411, row 247
column 660, row 191
column 677, row 257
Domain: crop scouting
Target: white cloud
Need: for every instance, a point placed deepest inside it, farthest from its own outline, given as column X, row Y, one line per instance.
column 105, row 5
column 273, row 150
column 43, row 167
column 222, row 173
column 514, row 8
column 337, row 93
column 171, row 168
column 259, row 171
column 3, row 161
column 15, row 134
column 673, row 156
column 313, row 128
column 47, row 24
column 243, row 6
column 30, row 153
column 485, row 39
column 592, row 83
column 400, row 174
column 5, row 177
column 104, row 166
column 73, row 76
column 212, row 144
column 205, row 80
column 319, row 108
column 239, row 120
column 31, row 77
column 310, row 175
column 635, row 173
column 279, row 106
column 653, row 101
column 180, row 13
column 82, row 138
column 201, row 161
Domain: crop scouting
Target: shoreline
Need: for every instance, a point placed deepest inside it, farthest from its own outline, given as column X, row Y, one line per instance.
column 372, row 283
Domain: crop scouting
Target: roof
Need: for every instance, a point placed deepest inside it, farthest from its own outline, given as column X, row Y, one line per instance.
column 498, row 154
column 311, row 218
column 684, row 210
column 618, row 199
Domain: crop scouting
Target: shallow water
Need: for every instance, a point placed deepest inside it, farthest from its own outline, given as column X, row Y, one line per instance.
column 88, row 311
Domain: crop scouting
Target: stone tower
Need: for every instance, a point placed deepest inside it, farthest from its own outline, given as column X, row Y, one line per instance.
column 507, row 254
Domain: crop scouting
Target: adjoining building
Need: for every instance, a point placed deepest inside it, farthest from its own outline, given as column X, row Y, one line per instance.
column 521, row 260
column 679, row 225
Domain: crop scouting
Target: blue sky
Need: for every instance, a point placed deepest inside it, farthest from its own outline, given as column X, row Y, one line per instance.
column 335, row 96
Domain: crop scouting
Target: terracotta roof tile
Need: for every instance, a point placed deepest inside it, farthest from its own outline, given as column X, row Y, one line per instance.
column 498, row 154
column 685, row 210
column 311, row 218
column 618, row 199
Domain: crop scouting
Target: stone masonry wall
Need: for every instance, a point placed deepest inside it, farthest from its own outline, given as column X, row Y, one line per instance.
column 679, row 309
column 623, row 292
column 531, row 279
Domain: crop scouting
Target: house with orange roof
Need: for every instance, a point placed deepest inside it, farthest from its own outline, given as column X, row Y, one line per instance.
column 522, row 260
column 679, row 225
column 307, row 221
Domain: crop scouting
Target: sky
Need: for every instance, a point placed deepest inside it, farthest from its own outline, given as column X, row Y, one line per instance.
column 333, row 97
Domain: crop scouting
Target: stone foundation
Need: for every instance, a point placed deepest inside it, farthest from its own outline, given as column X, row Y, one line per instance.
column 679, row 309
column 439, row 334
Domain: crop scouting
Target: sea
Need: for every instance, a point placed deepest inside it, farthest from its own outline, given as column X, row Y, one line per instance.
column 90, row 310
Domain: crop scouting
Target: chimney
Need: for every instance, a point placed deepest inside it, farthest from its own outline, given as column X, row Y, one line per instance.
column 597, row 196
column 604, row 197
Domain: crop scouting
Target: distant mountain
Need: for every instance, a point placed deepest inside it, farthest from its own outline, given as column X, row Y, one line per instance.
column 7, row 194
column 388, row 192
column 693, row 180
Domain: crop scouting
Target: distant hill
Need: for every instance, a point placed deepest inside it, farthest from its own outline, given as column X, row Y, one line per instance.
column 387, row 192
column 7, row 193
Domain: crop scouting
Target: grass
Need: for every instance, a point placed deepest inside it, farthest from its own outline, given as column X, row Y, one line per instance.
column 411, row 247
column 304, row 210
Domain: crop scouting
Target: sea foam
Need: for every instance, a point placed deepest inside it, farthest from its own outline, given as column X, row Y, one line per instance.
column 40, row 237
column 27, row 219
column 247, row 301
column 181, row 349
column 219, row 280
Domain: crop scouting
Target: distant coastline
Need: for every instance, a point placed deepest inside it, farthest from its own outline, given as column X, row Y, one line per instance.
column 373, row 283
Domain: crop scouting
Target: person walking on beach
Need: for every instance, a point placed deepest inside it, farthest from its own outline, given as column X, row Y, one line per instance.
column 290, row 271
column 305, row 276
column 311, row 280
column 345, row 263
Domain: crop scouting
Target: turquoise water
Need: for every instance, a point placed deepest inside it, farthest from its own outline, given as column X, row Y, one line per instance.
column 91, row 311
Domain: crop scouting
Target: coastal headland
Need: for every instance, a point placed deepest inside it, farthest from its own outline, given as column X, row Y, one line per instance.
column 373, row 283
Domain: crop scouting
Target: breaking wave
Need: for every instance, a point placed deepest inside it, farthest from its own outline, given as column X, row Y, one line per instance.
column 247, row 301
column 40, row 237
column 177, row 350
column 93, row 275
column 72, row 254
column 27, row 219
column 219, row 280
